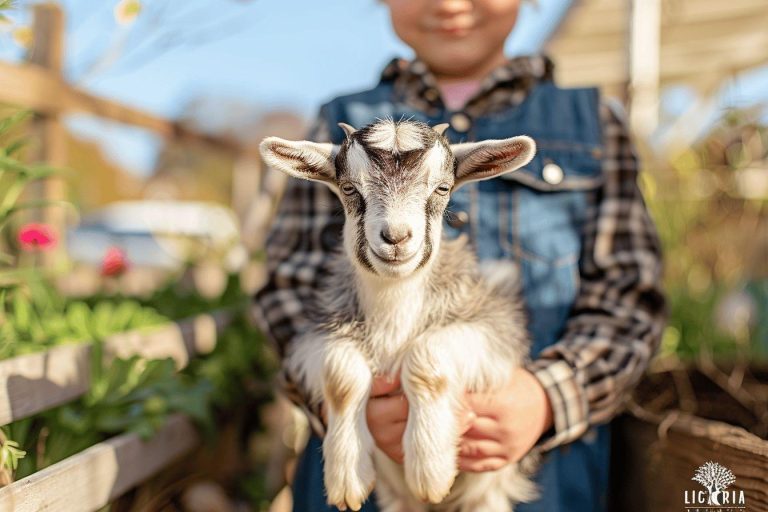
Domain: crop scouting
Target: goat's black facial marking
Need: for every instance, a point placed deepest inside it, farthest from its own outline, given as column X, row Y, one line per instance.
column 393, row 175
column 396, row 166
column 341, row 162
column 361, row 250
column 433, row 212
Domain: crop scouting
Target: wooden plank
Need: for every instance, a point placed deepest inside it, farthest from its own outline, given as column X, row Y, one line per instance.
column 179, row 340
column 33, row 87
column 96, row 476
column 36, row 382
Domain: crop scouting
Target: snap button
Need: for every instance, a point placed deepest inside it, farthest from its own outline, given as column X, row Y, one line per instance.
column 597, row 153
column 552, row 174
column 458, row 219
column 460, row 122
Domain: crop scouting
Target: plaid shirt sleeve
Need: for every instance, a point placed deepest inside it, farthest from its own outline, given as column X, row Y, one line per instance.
column 307, row 227
column 617, row 319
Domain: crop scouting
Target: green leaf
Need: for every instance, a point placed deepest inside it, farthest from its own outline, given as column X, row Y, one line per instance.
column 11, row 121
column 156, row 371
column 101, row 321
column 117, row 377
column 15, row 147
column 144, row 429
column 11, row 164
column 113, row 421
column 5, row 215
column 72, row 419
column 10, row 453
column 78, row 316
column 22, row 313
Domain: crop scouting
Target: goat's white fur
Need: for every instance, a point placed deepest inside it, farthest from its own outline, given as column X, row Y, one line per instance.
column 395, row 137
column 394, row 298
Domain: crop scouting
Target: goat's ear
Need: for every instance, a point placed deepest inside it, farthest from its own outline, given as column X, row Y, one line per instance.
column 301, row 159
column 484, row 160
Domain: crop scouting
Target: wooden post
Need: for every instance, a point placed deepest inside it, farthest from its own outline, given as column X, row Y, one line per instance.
column 644, row 64
column 47, row 51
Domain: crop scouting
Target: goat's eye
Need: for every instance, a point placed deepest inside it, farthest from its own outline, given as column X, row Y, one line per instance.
column 348, row 188
column 443, row 189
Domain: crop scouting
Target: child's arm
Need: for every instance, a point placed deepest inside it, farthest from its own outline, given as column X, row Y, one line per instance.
column 619, row 314
column 305, row 232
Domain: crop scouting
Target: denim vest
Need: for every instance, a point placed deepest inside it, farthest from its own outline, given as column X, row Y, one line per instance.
column 533, row 216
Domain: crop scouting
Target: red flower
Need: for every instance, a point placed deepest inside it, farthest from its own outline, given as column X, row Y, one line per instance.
column 114, row 263
column 36, row 237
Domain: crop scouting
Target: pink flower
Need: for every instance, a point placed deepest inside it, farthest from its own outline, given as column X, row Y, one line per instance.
column 36, row 237
column 114, row 263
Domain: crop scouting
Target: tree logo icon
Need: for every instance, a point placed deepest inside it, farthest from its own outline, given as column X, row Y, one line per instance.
column 716, row 479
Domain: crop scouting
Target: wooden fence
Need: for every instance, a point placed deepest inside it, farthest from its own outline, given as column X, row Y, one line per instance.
column 91, row 479
column 33, row 383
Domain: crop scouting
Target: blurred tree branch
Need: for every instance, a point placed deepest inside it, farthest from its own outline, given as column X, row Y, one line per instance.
column 160, row 28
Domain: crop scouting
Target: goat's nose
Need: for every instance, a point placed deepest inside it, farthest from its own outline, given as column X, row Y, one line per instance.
column 394, row 235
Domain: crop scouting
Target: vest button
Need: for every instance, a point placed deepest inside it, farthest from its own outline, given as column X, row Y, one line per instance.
column 553, row 174
column 461, row 122
column 458, row 219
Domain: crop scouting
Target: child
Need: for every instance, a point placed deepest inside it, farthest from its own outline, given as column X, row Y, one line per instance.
column 573, row 220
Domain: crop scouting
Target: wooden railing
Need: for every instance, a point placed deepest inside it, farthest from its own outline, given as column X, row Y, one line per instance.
column 91, row 479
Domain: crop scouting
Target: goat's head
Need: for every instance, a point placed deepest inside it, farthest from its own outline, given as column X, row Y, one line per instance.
column 394, row 179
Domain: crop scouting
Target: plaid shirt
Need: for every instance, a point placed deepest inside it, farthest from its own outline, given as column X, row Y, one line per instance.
column 618, row 315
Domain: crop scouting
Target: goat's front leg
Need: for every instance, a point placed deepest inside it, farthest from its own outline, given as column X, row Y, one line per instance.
column 348, row 445
column 432, row 382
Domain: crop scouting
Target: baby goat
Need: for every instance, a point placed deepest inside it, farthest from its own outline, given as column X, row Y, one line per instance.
column 401, row 299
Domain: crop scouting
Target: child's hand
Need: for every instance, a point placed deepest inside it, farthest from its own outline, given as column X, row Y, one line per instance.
column 499, row 428
column 509, row 423
column 387, row 413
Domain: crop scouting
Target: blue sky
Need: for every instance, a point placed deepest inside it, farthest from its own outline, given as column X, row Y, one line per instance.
column 266, row 53
column 288, row 53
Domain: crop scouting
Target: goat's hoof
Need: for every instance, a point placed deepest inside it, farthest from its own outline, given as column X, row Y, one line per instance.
column 431, row 486
column 434, row 496
column 347, row 491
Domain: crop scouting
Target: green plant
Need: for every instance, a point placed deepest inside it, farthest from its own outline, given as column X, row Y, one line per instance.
column 712, row 214
column 239, row 368
column 37, row 318
column 10, row 453
column 130, row 395
column 135, row 395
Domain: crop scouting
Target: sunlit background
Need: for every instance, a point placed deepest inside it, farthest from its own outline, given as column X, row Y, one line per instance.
column 151, row 112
